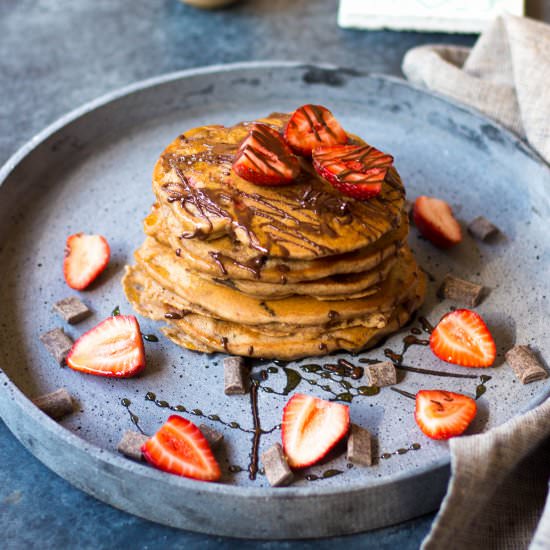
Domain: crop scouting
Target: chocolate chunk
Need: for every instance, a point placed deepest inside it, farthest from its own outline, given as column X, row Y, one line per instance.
column 359, row 446
column 276, row 467
column 56, row 404
column 461, row 291
column 131, row 443
column 211, row 435
column 71, row 309
column 57, row 343
column 234, row 375
column 525, row 364
column 482, row 228
column 381, row 374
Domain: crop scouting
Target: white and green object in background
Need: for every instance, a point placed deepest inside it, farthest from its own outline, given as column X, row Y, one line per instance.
column 469, row 16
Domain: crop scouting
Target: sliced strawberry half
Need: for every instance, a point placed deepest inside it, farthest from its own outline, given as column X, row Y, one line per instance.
column 86, row 256
column 462, row 338
column 114, row 348
column 264, row 158
column 435, row 220
column 180, row 448
column 311, row 126
column 443, row 414
column 311, row 428
column 355, row 170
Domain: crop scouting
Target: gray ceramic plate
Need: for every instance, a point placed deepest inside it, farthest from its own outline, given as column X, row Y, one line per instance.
column 91, row 172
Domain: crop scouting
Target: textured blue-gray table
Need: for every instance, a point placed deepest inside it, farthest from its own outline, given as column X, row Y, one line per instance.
column 58, row 54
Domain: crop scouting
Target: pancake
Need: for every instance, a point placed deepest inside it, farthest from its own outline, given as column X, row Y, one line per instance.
column 224, row 259
column 202, row 333
column 151, row 299
column 225, row 302
column 306, row 220
column 286, row 271
column 337, row 287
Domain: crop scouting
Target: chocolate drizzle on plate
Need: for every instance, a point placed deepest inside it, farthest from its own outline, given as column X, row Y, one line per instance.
column 481, row 387
column 341, row 373
column 401, row 451
column 151, row 397
column 134, row 418
column 253, row 464
column 325, row 475
column 323, row 377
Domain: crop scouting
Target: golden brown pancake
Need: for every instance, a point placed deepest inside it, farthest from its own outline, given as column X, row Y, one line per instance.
column 204, row 333
column 224, row 302
column 305, row 220
column 276, row 272
column 152, row 299
column 223, row 258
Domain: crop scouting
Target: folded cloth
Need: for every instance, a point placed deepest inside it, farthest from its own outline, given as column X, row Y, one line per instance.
column 505, row 75
column 498, row 487
column 500, row 479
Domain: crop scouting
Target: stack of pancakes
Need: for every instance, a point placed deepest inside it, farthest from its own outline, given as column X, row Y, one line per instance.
column 274, row 272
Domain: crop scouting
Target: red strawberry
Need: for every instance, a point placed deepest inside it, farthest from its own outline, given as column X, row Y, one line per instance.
column 462, row 338
column 86, row 256
column 443, row 414
column 114, row 348
column 356, row 170
column 434, row 219
column 311, row 126
column 311, row 428
column 180, row 448
column 264, row 158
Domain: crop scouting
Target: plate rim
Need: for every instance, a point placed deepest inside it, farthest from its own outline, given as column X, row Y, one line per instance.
column 9, row 390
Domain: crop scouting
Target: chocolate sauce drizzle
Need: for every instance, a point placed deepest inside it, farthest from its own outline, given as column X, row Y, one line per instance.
column 320, row 208
column 125, row 402
column 401, row 451
column 338, row 372
column 324, row 374
column 325, row 475
column 253, row 464
column 341, row 373
column 256, row 431
column 482, row 388
column 151, row 397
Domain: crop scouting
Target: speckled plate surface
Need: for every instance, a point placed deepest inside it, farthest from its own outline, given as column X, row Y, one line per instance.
column 91, row 172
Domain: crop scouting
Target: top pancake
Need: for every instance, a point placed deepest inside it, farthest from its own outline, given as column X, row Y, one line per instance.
column 307, row 219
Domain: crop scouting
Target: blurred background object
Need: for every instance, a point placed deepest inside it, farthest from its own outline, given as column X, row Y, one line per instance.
column 209, row 4
column 425, row 15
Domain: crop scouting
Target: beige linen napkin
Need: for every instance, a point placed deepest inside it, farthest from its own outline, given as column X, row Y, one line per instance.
column 499, row 481
column 497, row 490
column 506, row 75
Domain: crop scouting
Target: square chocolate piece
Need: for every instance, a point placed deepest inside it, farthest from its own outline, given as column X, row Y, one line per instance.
column 57, row 343
column 234, row 374
column 276, row 467
column 211, row 435
column 359, row 446
column 56, row 404
column 482, row 228
column 381, row 374
column 131, row 443
column 72, row 310
column 460, row 290
column 525, row 364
